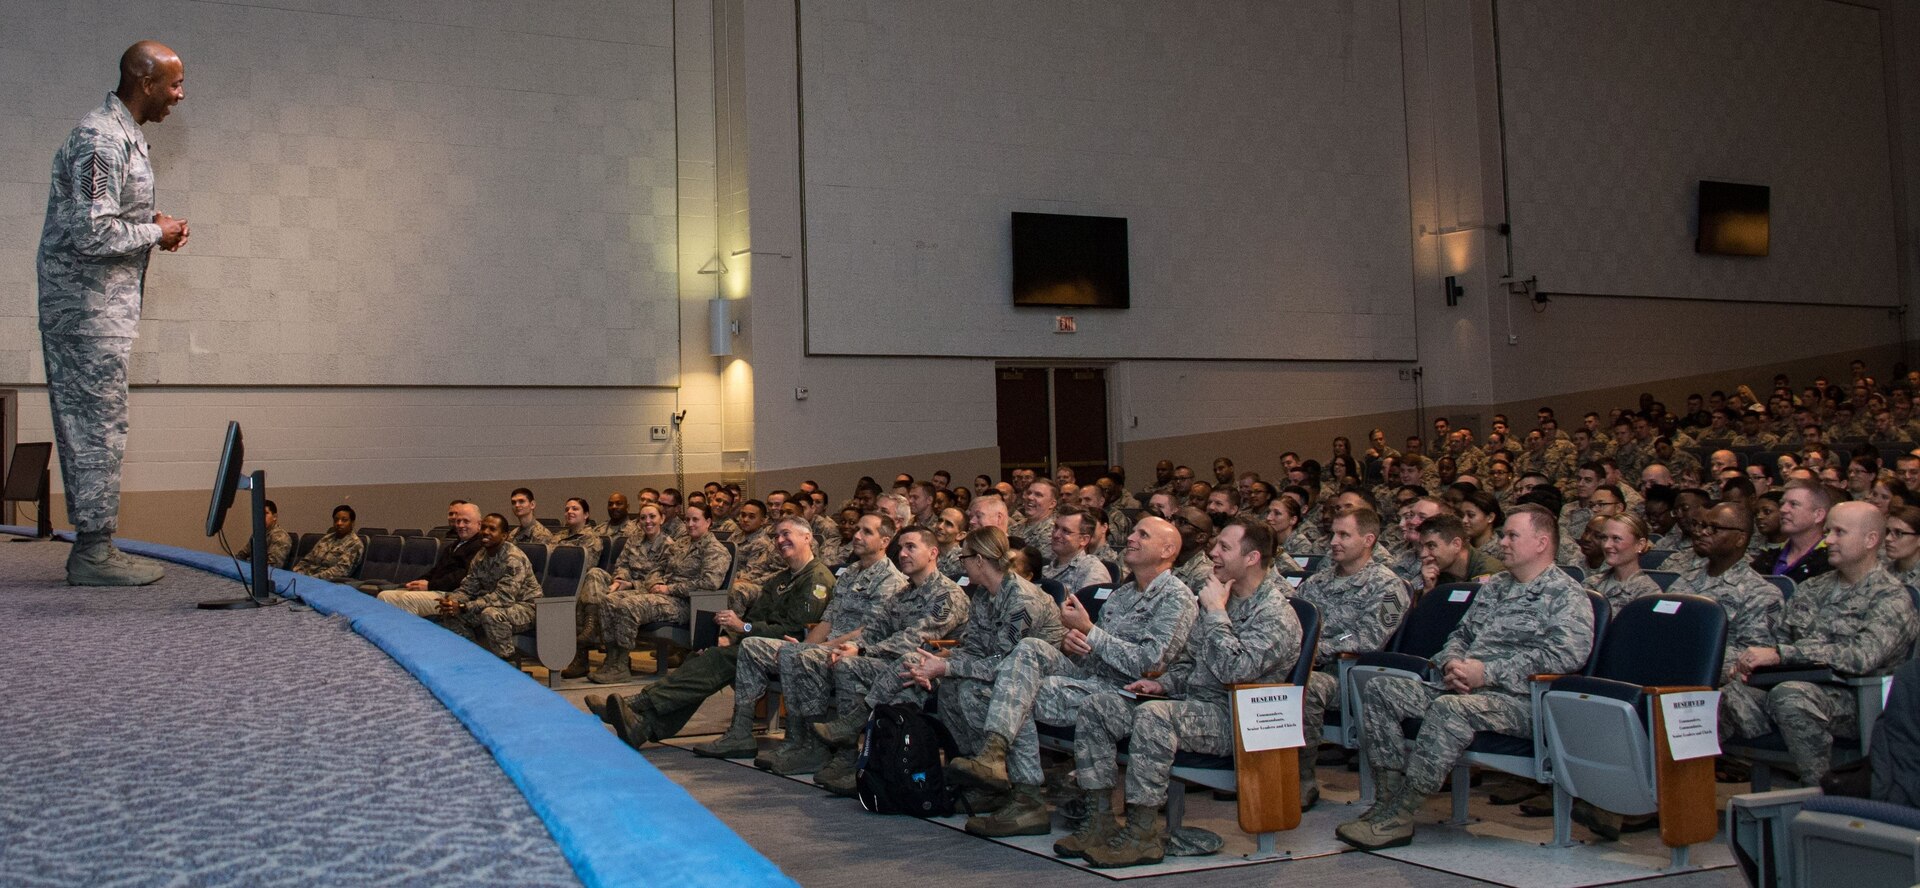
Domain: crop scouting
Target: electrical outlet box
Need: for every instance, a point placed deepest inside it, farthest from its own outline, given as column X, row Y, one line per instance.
column 800, row 394
column 1513, row 339
column 657, row 433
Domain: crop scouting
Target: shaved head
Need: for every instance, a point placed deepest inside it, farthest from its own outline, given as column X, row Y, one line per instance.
column 142, row 60
column 1152, row 546
column 152, row 81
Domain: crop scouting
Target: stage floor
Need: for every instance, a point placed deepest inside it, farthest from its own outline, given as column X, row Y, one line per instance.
column 335, row 741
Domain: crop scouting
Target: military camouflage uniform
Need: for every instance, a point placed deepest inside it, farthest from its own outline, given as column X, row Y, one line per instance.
column 997, row 621
column 826, row 541
column 859, row 595
column 757, row 562
column 627, row 527
column 1039, row 539
column 1518, row 630
column 913, row 616
column 1138, row 630
column 642, row 563
column 1195, row 573
column 790, row 600
column 699, row 565
column 1357, row 613
column 530, row 533
column 1858, row 629
column 279, row 543
column 1407, row 568
column 498, row 593
column 1308, row 538
column 1118, row 527
column 1753, row 605
column 333, row 558
column 1083, row 571
column 675, row 529
column 949, row 564
column 592, row 543
column 1256, row 640
column 1619, row 592
column 1762, row 439
column 92, row 267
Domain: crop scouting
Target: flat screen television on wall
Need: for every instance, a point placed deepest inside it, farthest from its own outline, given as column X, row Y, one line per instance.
column 1070, row 261
column 1733, row 219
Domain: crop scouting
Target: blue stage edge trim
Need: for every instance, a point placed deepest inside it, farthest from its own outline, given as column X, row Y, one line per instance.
column 618, row 820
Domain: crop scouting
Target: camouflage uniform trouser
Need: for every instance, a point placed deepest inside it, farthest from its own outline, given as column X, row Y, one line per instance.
column 855, row 678
column 802, row 669
column 1036, row 682
column 1159, row 728
column 623, row 613
column 963, row 709
column 591, row 599
column 1448, row 723
column 889, row 687
column 1322, row 697
column 493, row 627
column 1807, row 715
column 87, row 394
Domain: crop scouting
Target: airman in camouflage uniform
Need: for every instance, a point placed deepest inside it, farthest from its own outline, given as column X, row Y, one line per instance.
column 1357, row 613
column 757, row 563
column 699, row 565
column 1753, row 605
column 100, row 229
column 533, row 532
column 496, row 599
column 1239, row 638
column 334, row 557
column 1513, row 630
column 1864, row 626
column 859, row 595
column 279, row 543
column 1139, row 629
column 591, row 544
column 644, row 562
column 998, row 620
column 1619, row 592
column 1194, row 572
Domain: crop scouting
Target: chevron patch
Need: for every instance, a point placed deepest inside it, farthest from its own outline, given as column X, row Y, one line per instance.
column 96, row 179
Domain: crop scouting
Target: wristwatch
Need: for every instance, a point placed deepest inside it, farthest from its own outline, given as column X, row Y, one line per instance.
column 746, row 628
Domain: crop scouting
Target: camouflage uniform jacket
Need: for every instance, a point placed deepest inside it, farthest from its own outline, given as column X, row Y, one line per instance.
column 585, row 538
column 1357, row 612
column 1520, row 630
column 1195, row 572
column 913, row 616
column 1864, row 628
column 1761, row 439
column 1039, row 538
column 533, row 532
column 949, row 565
column 675, row 528
column 99, row 229
column 627, row 527
column 997, row 621
column 1083, row 571
column 1118, row 526
column 279, row 543
column 859, row 593
column 1617, row 591
column 1753, row 605
column 699, row 565
column 1139, row 629
column 645, row 562
column 332, row 558
column 1256, row 640
column 757, row 559
column 826, row 540
column 497, row 579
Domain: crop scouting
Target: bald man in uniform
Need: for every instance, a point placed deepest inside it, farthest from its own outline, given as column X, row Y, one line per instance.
column 92, row 266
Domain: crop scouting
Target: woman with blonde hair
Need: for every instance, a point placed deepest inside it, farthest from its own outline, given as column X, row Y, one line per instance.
column 1623, row 539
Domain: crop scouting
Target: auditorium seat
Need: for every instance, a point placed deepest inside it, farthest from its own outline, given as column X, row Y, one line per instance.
column 1599, row 727
column 1665, row 578
column 1653, row 558
column 409, row 532
column 610, row 553
column 417, row 555
column 380, row 561
column 1407, row 653
column 564, row 567
column 372, row 531
column 536, row 553
column 305, row 545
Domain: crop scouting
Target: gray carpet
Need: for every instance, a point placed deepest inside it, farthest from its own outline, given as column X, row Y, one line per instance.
column 145, row 742
column 819, row 839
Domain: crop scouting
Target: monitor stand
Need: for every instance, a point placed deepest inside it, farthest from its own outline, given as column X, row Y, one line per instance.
column 261, row 591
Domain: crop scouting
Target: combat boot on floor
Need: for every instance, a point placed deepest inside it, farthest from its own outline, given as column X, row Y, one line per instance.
column 1097, row 829
column 1025, row 815
column 737, row 743
column 631, row 720
column 1139, row 842
column 846, row 728
column 579, row 665
column 617, row 670
column 841, row 774
column 1386, row 785
column 1389, row 825
column 800, row 753
column 94, row 561
column 597, row 704
column 987, row 770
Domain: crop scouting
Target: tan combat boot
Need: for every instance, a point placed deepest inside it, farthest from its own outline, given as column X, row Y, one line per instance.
column 1388, row 825
column 1025, row 815
column 1140, row 842
column 618, row 668
column 94, row 561
column 987, row 770
column 737, row 743
column 1096, row 831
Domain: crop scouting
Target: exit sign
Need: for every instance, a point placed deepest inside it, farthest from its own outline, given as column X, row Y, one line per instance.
column 1065, row 324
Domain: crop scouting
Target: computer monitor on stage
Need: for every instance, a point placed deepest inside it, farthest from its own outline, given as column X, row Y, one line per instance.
column 226, row 482
column 28, row 480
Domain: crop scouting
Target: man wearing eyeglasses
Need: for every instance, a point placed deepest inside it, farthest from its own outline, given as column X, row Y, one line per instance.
column 1753, row 605
column 1072, row 567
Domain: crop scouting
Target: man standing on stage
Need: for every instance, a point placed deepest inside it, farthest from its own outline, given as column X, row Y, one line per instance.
column 92, row 266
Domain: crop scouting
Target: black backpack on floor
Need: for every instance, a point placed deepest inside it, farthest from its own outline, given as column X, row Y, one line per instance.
column 902, row 765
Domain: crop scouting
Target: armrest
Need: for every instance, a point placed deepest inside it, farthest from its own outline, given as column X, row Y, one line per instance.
column 1674, row 689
